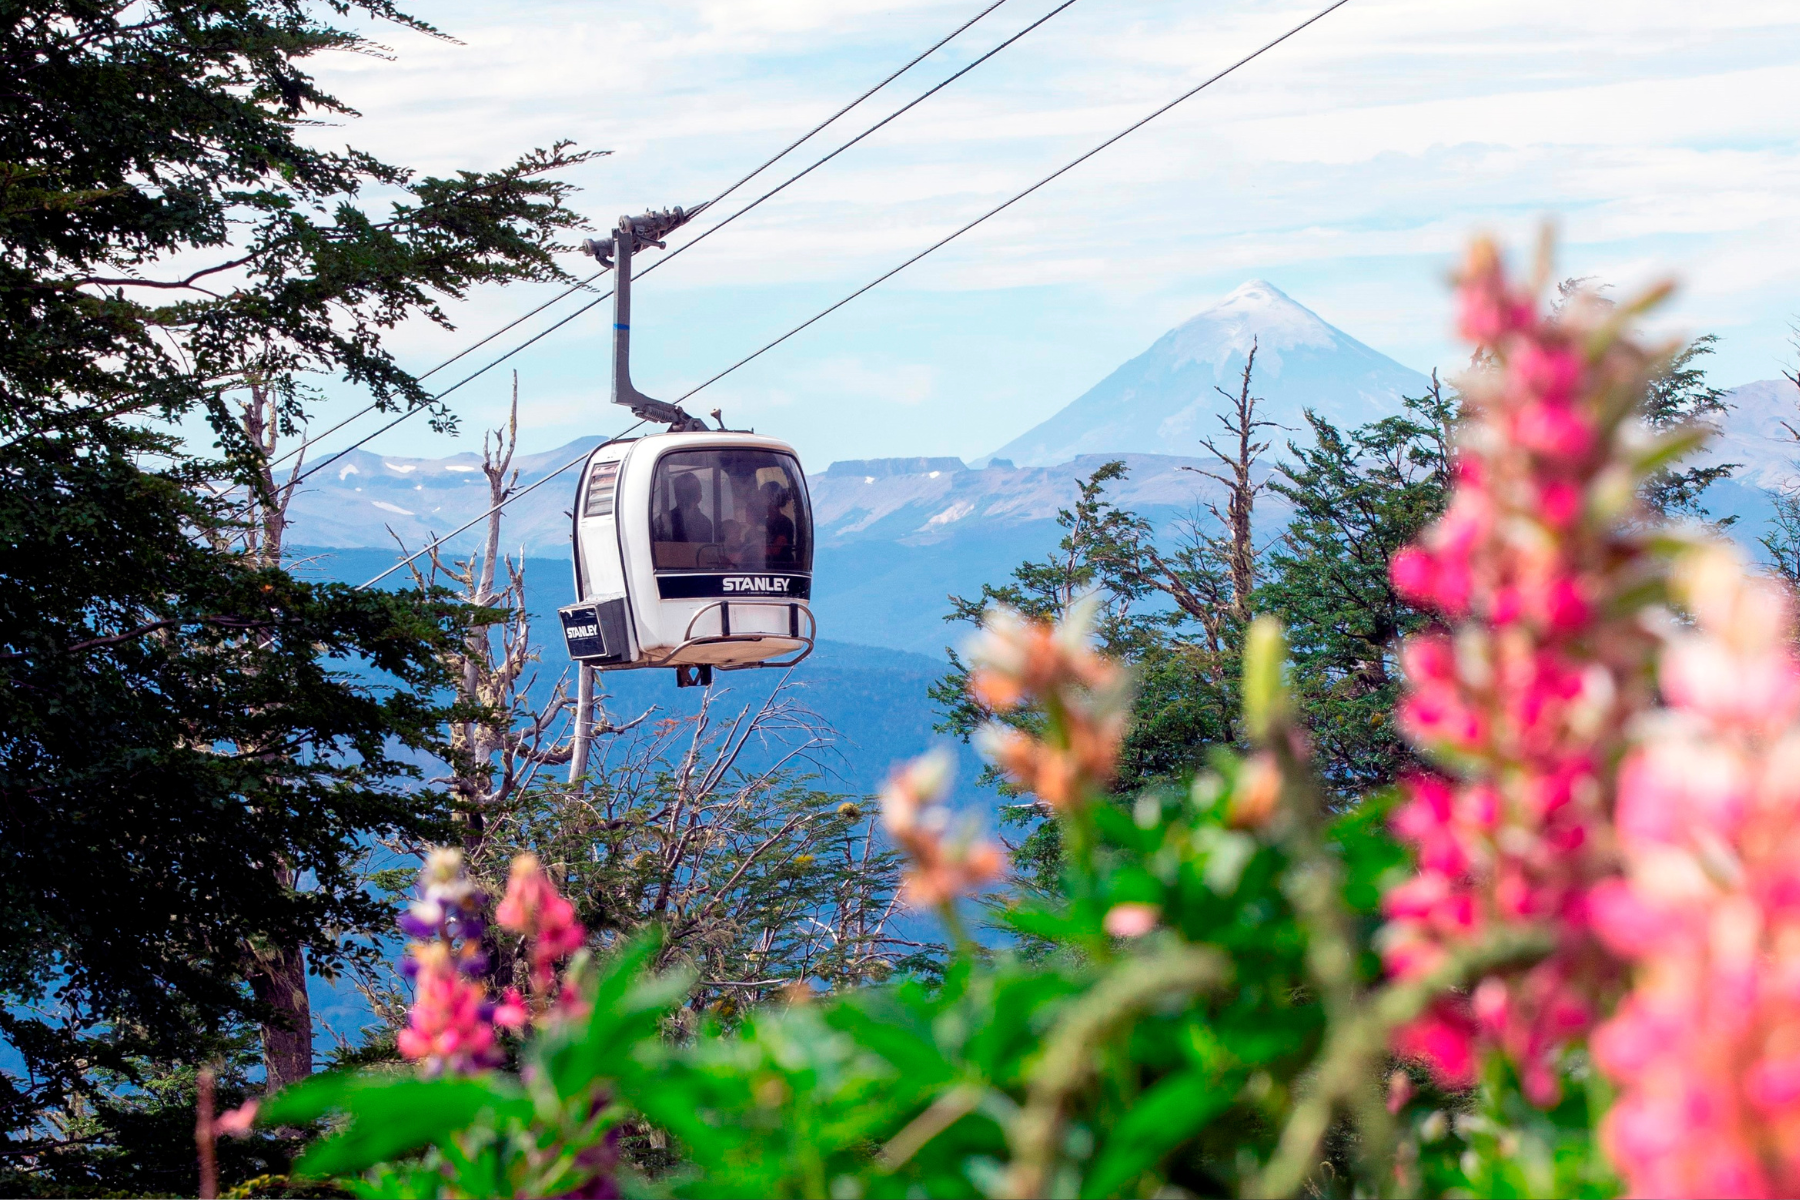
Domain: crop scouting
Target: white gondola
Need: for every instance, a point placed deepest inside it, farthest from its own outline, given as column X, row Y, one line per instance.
column 692, row 548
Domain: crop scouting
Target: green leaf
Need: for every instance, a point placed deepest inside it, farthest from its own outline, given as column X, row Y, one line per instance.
column 393, row 1117
column 1159, row 1121
column 1038, row 921
column 628, row 1008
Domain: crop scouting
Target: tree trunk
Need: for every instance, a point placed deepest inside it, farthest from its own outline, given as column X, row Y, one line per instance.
column 280, row 982
column 278, row 977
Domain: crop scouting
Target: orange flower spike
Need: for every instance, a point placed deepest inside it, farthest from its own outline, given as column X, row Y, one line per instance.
column 1258, row 790
column 996, row 691
column 912, row 809
column 1083, row 693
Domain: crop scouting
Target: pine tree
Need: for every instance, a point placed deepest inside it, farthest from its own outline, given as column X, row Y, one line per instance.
column 192, row 741
column 1680, row 396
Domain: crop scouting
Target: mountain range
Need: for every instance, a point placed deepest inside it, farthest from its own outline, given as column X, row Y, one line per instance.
column 897, row 536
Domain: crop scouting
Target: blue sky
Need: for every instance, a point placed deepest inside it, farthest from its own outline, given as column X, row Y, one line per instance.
column 1348, row 167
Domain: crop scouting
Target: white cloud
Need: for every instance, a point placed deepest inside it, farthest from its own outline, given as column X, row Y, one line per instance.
column 1349, row 164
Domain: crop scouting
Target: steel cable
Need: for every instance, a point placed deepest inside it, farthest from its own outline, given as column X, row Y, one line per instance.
column 765, row 165
column 1004, row 205
column 524, row 491
column 1060, row 171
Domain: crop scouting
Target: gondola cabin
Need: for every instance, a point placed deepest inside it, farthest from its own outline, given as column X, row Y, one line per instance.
column 693, row 550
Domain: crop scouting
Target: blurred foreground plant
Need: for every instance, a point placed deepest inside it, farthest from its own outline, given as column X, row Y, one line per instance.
column 1162, row 1040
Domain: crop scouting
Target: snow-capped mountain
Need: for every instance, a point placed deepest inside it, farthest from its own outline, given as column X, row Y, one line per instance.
column 1756, row 434
column 1162, row 401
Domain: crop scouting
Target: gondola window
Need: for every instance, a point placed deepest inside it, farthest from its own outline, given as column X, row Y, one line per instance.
column 729, row 510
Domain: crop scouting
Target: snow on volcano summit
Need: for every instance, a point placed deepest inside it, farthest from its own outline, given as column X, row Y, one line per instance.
column 1161, row 401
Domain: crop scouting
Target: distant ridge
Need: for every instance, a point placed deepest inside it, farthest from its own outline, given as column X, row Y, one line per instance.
column 887, row 468
column 1162, row 401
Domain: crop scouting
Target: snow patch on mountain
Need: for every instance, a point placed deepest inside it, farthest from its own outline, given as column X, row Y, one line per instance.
column 1166, row 399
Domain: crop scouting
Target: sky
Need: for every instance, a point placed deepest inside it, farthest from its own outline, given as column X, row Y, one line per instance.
column 1348, row 166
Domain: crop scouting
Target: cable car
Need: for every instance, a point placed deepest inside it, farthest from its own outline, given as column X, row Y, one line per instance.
column 692, row 548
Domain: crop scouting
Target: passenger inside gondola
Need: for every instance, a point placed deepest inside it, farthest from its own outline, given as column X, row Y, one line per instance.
column 686, row 522
column 777, row 528
column 733, row 510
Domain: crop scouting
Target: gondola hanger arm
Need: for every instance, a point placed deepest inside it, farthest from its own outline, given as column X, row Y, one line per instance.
column 634, row 234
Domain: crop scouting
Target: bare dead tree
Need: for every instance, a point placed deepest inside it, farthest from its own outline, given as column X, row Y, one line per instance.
column 263, row 537
column 499, row 739
column 1241, row 488
column 278, row 976
column 712, row 827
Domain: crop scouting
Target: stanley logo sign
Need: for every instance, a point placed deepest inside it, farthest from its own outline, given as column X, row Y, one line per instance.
column 581, row 630
column 723, row 585
column 766, row 585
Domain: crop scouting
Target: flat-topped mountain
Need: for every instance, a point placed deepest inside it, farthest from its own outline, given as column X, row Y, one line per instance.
column 1162, row 401
column 370, row 500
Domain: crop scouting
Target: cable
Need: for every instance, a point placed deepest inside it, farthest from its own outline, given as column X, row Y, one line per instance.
column 524, row 491
column 470, row 377
column 765, row 165
column 464, row 353
column 1060, row 171
column 728, row 220
column 911, row 63
column 1132, row 128
column 908, row 106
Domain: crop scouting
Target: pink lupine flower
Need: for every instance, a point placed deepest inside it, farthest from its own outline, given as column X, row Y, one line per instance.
column 1531, row 685
column 1487, row 309
column 511, row 1012
column 534, row 909
column 449, row 1028
column 1553, row 430
column 1705, row 1050
column 1445, row 1038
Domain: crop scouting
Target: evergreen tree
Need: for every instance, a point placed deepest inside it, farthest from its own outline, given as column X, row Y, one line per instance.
column 191, row 741
column 1680, row 396
column 1357, row 498
column 1094, row 531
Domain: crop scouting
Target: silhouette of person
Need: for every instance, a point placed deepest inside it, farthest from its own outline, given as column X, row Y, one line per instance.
column 686, row 523
column 778, row 537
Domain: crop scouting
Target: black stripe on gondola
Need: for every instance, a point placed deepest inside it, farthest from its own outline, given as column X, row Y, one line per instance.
column 735, row 585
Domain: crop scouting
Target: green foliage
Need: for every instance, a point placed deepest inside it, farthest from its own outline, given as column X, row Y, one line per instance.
column 128, row 136
column 1782, row 541
column 1095, row 533
column 1045, row 590
column 176, row 722
column 1171, row 1058
column 140, row 1141
column 1681, row 396
column 547, row 1132
column 1491, row 1142
column 1357, row 498
column 1183, row 654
